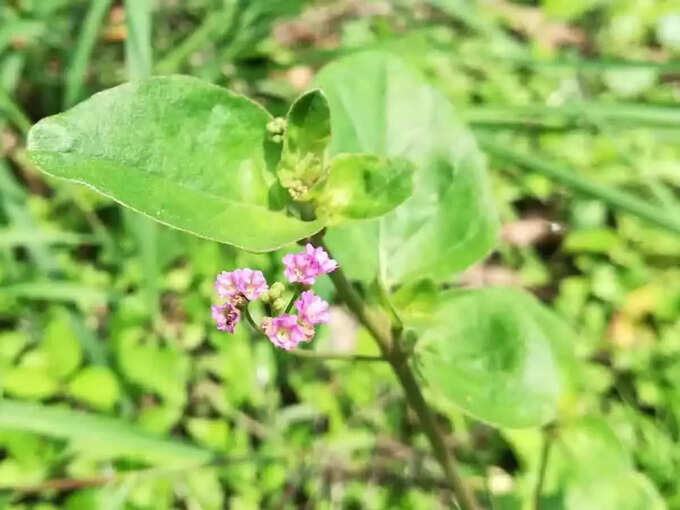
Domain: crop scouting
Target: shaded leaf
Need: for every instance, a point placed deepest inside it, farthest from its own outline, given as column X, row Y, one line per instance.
column 380, row 106
column 496, row 353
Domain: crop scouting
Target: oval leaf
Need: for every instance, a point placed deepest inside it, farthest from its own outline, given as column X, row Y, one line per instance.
column 362, row 186
column 380, row 106
column 490, row 352
column 188, row 154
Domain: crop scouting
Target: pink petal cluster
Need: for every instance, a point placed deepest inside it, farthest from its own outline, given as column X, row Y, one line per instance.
column 305, row 266
column 226, row 316
column 312, row 309
column 285, row 332
column 241, row 282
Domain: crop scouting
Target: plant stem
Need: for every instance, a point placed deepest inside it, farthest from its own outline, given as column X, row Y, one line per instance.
column 296, row 294
column 396, row 357
column 341, row 356
column 249, row 318
column 543, row 466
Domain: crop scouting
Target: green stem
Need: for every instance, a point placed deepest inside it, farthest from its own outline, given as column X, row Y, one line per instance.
column 332, row 356
column 543, row 466
column 294, row 297
column 613, row 197
column 390, row 348
column 249, row 318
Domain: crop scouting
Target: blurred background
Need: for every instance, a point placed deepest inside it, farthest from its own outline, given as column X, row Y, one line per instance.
column 103, row 311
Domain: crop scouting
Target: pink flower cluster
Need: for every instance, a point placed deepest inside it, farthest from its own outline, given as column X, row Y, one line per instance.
column 285, row 331
column 241, row 283
column 226, row 316
column 304, row 267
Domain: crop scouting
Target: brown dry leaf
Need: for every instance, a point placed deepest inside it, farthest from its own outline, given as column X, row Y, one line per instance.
column 529, row 231
column 642, row 301
column 344, row 328
column 320, row 26
column 489, row 276
column 622, row 331
column 300, row 77
column 534, row 23
column 115, row 29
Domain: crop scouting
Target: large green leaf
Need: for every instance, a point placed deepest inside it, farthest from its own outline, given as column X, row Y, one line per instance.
column 362, row 186
column 380, row 106
column 496, row 353
column 186, row 153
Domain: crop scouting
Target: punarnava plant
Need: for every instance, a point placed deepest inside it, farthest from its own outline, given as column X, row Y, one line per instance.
column 371, row 169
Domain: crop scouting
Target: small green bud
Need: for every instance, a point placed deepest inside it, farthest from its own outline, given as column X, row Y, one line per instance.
column 279, row 305
column 266, row 297
column 277, row 126
column 276, row 290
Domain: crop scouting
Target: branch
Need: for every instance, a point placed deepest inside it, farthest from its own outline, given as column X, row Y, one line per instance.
column 332, row 356
column 381, row 331
column 548, row 435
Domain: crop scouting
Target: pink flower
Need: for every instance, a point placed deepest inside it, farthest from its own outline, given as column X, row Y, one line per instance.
column 226, row 316
column 285, row 331
column 305, row 266
column 240, row 282
column 312, row 309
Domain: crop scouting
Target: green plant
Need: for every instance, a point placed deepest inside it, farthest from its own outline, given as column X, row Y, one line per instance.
column 375, row 167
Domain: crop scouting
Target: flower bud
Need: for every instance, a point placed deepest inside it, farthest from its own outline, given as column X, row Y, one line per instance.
column 279, row 305
column 300, row 174
column 277, row 126
column 276, row 291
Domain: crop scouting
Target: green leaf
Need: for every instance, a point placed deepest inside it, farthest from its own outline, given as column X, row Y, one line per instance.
column 380, row 106
column 181, row 151
column 29, row 382
column 307, row 135
column 596, row 471
column 308, row 125
column 90, row 430
column 362, row 186
column 628, row 490
column 496, row 353
column 96, row 386
column 170, row 367
column 60, row 346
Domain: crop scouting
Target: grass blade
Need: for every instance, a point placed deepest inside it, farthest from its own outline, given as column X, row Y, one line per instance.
column 575, row 115
column 214, row 26
column 53, row 290
column 138, row 51
column 615, row 198
column 92, row 431
column 75, row 74
column 14, row 113
column 13, row 237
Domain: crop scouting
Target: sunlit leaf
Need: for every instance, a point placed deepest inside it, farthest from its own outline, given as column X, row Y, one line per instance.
column 184, row 152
